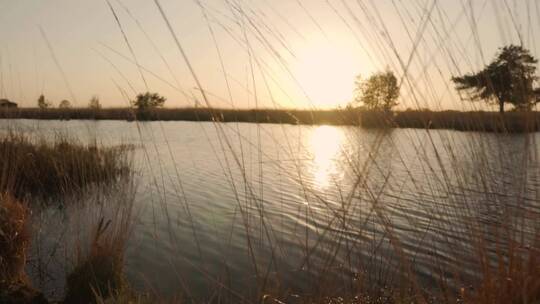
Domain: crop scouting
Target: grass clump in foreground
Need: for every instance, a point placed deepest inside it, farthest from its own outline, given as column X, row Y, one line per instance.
column 97, row 276
column 43, row 169
column 100, row 274
column 105, row 222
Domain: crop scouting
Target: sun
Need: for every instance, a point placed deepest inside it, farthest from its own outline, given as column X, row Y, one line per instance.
column 326, row 73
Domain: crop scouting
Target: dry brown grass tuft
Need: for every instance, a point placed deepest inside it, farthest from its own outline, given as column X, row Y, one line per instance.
column 14, row 240
column 100, row 274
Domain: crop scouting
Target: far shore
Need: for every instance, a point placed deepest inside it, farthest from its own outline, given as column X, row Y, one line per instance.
column 423, row 119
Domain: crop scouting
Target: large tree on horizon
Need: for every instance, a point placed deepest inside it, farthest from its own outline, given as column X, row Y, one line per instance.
column 509, row 78
column 379, row 92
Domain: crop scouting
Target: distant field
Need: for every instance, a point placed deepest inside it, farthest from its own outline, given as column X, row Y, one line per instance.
column 463, row 121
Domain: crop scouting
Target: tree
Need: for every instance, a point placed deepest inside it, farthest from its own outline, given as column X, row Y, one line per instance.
column 379, row 92
column 64, row 104
column 94, row 103
column 42, row 103
column 148, row 101
column 509, row 78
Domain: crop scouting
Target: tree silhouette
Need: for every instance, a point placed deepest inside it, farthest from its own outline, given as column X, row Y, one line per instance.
column 379, row 92
column 509, row 78
column 148, row 101
column 64, row 104
column 94, row 103
column 42, row 103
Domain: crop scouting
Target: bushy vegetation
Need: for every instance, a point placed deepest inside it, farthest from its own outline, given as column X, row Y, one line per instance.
column 37, row 167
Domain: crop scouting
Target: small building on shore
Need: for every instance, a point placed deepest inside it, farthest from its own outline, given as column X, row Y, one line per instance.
column 7, row 104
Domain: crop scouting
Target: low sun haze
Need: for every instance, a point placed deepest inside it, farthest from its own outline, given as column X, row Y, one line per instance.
column 251, row 54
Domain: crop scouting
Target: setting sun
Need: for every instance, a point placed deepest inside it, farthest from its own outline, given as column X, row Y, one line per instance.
column 326, row 73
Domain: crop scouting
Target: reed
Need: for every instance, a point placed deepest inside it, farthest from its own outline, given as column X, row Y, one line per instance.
column 38, row 167
column 98, row 251
column 100, row 273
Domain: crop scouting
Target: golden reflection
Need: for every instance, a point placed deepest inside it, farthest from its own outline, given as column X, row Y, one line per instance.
column 326, row 145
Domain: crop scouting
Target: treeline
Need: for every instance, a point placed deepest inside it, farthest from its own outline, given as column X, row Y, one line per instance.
column 334, row 117
column 519, row 121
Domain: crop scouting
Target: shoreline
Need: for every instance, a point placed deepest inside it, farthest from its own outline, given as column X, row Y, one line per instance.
column 510, row 122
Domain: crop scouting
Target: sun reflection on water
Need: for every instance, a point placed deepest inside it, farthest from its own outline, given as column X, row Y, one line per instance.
column 326, row 143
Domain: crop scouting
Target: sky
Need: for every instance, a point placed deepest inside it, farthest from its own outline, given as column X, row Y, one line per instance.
column 252, row 53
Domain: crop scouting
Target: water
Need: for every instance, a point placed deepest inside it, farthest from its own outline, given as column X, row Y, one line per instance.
column 224, row 208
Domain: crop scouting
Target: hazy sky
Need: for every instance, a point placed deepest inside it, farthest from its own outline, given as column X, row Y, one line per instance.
column 252, row 53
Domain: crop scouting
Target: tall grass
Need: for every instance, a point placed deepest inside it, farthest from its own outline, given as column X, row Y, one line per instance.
column 98, row 272
column 457, row 222
column 484, row 261
column 461, row 208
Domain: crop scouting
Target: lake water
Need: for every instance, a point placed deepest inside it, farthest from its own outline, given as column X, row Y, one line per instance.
column 225, row 208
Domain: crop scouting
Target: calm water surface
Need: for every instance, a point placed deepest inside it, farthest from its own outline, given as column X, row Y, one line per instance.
column 232, row 205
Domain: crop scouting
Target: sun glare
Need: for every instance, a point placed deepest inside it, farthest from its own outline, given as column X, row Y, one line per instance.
column 326, row 73
column 326, row 144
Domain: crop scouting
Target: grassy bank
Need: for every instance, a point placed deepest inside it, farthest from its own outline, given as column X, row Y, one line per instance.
column 46, row 169
column 420, row 119
column 36, row 170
